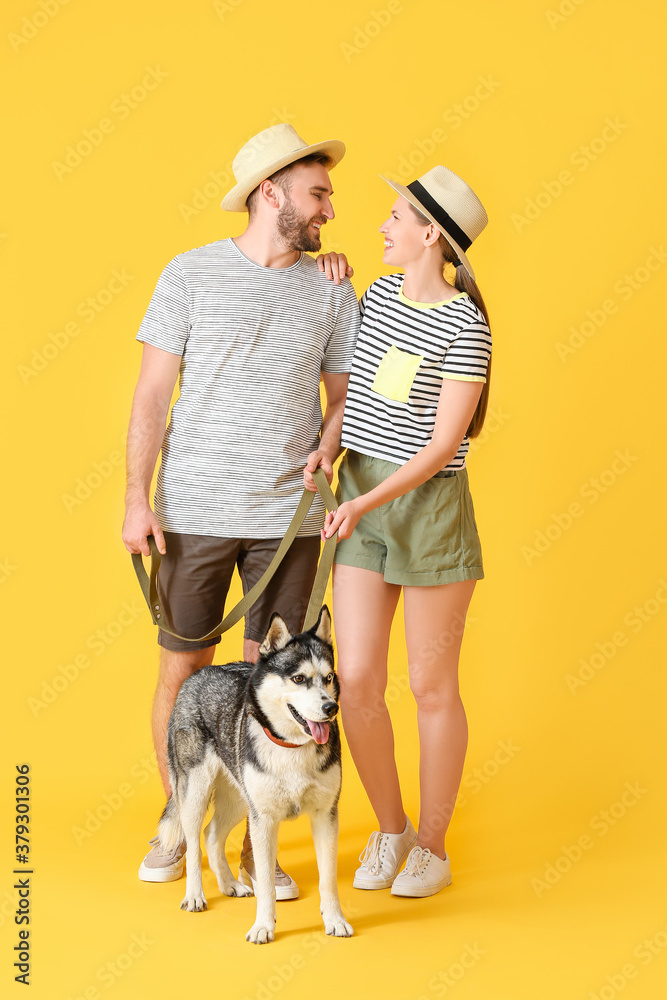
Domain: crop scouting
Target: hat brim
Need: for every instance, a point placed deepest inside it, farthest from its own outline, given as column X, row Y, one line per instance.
column 235, row 200
column 408, row 195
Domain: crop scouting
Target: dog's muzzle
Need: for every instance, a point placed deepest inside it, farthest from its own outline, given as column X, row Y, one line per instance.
column 319, row 730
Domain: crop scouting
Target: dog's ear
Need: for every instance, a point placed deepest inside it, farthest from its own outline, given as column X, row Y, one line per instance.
column 277, row 636
column 323, row 627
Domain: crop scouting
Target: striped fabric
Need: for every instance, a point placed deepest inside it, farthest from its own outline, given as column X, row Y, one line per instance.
column 254, row 342
column 440, row 340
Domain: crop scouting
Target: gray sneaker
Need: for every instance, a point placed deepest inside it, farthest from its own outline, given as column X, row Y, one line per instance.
column 162, row 866
column 286, row 887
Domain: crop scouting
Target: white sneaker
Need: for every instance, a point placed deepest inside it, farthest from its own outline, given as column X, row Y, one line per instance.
column 381, row 858
column 424, row 874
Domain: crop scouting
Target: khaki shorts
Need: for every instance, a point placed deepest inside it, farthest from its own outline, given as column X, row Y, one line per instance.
column 196, row 572
column 424, row 538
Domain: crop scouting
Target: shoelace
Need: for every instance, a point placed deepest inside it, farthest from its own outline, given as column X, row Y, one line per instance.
column 155, row 842
column 249, row 859
column 418, row 859
column 370, row 856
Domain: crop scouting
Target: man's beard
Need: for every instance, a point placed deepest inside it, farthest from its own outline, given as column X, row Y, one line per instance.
column 293, row 230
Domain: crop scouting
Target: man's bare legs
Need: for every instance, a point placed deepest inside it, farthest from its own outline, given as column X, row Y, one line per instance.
column 174, row 669
column 251, row 654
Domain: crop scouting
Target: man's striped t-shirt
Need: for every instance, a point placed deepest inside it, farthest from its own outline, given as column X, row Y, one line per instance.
column 254, row 341
column 404, row 350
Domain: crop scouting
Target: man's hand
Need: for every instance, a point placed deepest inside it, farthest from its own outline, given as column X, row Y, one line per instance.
column 345, row 520
column 140, row 522
column 317, row 459
column 335, row 266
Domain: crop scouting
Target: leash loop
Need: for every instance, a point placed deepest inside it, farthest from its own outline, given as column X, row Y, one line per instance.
column 149, row 582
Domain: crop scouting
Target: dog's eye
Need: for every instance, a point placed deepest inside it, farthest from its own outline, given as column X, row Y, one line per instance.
column 298, row 678
column 328, row 679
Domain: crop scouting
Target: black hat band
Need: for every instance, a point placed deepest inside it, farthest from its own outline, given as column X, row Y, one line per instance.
column 437, row 211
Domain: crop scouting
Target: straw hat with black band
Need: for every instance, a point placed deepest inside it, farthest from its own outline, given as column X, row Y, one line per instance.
column 267, row 152
column 450, row 204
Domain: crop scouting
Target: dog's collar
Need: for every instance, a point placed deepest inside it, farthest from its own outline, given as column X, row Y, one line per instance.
column 281, row 743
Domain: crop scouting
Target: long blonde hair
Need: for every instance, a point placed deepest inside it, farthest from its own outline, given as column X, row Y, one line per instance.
column 464, row 283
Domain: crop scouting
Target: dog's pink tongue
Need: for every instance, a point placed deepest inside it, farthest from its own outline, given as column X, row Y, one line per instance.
column 319, row 731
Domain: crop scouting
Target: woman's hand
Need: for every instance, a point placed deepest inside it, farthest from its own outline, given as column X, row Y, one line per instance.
column 335, row 266
column 345, row 519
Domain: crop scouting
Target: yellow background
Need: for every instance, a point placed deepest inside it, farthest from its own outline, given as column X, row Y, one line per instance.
column 557, row 663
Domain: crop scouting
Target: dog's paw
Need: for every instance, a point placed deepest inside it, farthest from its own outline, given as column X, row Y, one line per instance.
column 260, row 934
column 233, row 887
column 195, row 904
column 337, row 925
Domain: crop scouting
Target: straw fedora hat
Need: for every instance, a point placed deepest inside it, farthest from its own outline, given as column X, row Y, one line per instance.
column 450, row 204
column 268, row 151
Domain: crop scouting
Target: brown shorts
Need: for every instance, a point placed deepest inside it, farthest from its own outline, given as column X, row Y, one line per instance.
column 196, row 572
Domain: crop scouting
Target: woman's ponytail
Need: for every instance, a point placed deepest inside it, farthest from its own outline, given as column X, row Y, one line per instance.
column 465, row 283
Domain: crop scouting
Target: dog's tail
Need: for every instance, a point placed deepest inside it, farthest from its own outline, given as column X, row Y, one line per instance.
column 170, row 830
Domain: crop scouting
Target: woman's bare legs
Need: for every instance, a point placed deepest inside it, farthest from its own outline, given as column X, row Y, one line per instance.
column 363, row 609
column 434, row 622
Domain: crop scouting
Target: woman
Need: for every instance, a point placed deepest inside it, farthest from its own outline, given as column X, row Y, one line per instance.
column 418, row 391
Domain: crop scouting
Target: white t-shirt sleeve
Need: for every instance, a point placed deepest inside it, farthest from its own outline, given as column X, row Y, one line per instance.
column 339, row 351
column 167, row 321
column 467, row 357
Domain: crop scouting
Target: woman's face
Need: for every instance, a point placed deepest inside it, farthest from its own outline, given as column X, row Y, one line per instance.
column 403, row 235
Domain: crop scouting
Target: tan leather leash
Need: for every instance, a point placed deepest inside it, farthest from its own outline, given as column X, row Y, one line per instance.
column 149, row 588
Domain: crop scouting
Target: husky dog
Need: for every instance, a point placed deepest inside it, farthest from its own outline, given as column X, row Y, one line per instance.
column 263, row 741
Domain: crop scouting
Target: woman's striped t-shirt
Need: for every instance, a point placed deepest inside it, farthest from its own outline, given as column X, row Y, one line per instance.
column 254, row 342
column 404, row 350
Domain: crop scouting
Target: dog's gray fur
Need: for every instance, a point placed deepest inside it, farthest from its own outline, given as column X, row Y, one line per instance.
column 216, row 747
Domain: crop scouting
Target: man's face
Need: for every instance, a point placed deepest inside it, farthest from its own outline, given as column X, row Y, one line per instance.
column 306, row 207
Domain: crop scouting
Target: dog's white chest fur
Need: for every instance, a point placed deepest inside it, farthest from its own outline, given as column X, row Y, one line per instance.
column 291, row 781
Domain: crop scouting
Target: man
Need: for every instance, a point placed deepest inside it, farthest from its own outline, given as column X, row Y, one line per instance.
column 251, row 325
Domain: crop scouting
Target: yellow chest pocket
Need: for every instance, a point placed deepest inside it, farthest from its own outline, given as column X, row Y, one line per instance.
column 395, row 374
